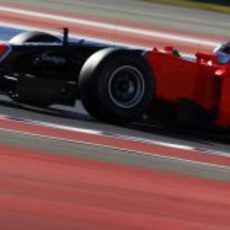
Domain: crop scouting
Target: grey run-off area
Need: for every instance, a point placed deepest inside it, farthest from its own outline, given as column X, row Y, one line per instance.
column 160, row 16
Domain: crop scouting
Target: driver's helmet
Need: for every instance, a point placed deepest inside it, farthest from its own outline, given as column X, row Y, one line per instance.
column 223, row 53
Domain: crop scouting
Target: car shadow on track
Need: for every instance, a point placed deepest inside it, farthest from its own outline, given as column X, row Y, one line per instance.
column 197, row 135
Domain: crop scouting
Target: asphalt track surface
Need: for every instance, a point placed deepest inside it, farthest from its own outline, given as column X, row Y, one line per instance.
column 58, row 182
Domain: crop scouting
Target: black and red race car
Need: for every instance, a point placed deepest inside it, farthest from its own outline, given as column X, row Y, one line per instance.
column 117, row 84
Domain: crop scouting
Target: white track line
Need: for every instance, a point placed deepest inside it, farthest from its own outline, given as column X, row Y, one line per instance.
column 112, row 135
column 107, row 26
column 194, row 162
column 186, row 147
column 74, row 36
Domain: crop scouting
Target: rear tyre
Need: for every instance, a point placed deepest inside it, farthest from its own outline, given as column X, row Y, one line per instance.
column 116, row 85
column 33, row 36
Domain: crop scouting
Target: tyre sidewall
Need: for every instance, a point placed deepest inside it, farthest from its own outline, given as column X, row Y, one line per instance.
column 100, row 75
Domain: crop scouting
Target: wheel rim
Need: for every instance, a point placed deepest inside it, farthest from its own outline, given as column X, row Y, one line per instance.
column 126, row 87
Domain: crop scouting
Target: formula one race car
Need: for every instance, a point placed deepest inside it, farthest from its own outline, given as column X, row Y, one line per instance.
column 117, row 84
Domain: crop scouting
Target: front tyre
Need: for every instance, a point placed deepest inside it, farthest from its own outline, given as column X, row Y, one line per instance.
column 116, row 85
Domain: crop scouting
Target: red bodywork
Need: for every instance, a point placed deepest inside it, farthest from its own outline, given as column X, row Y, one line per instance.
column 203, row 81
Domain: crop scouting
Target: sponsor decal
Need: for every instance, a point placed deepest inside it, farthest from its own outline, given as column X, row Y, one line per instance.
column 53, row 59
column 50, row 59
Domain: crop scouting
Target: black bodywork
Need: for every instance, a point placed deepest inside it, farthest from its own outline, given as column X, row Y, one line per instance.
column 39, row 73
column 114, row 84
